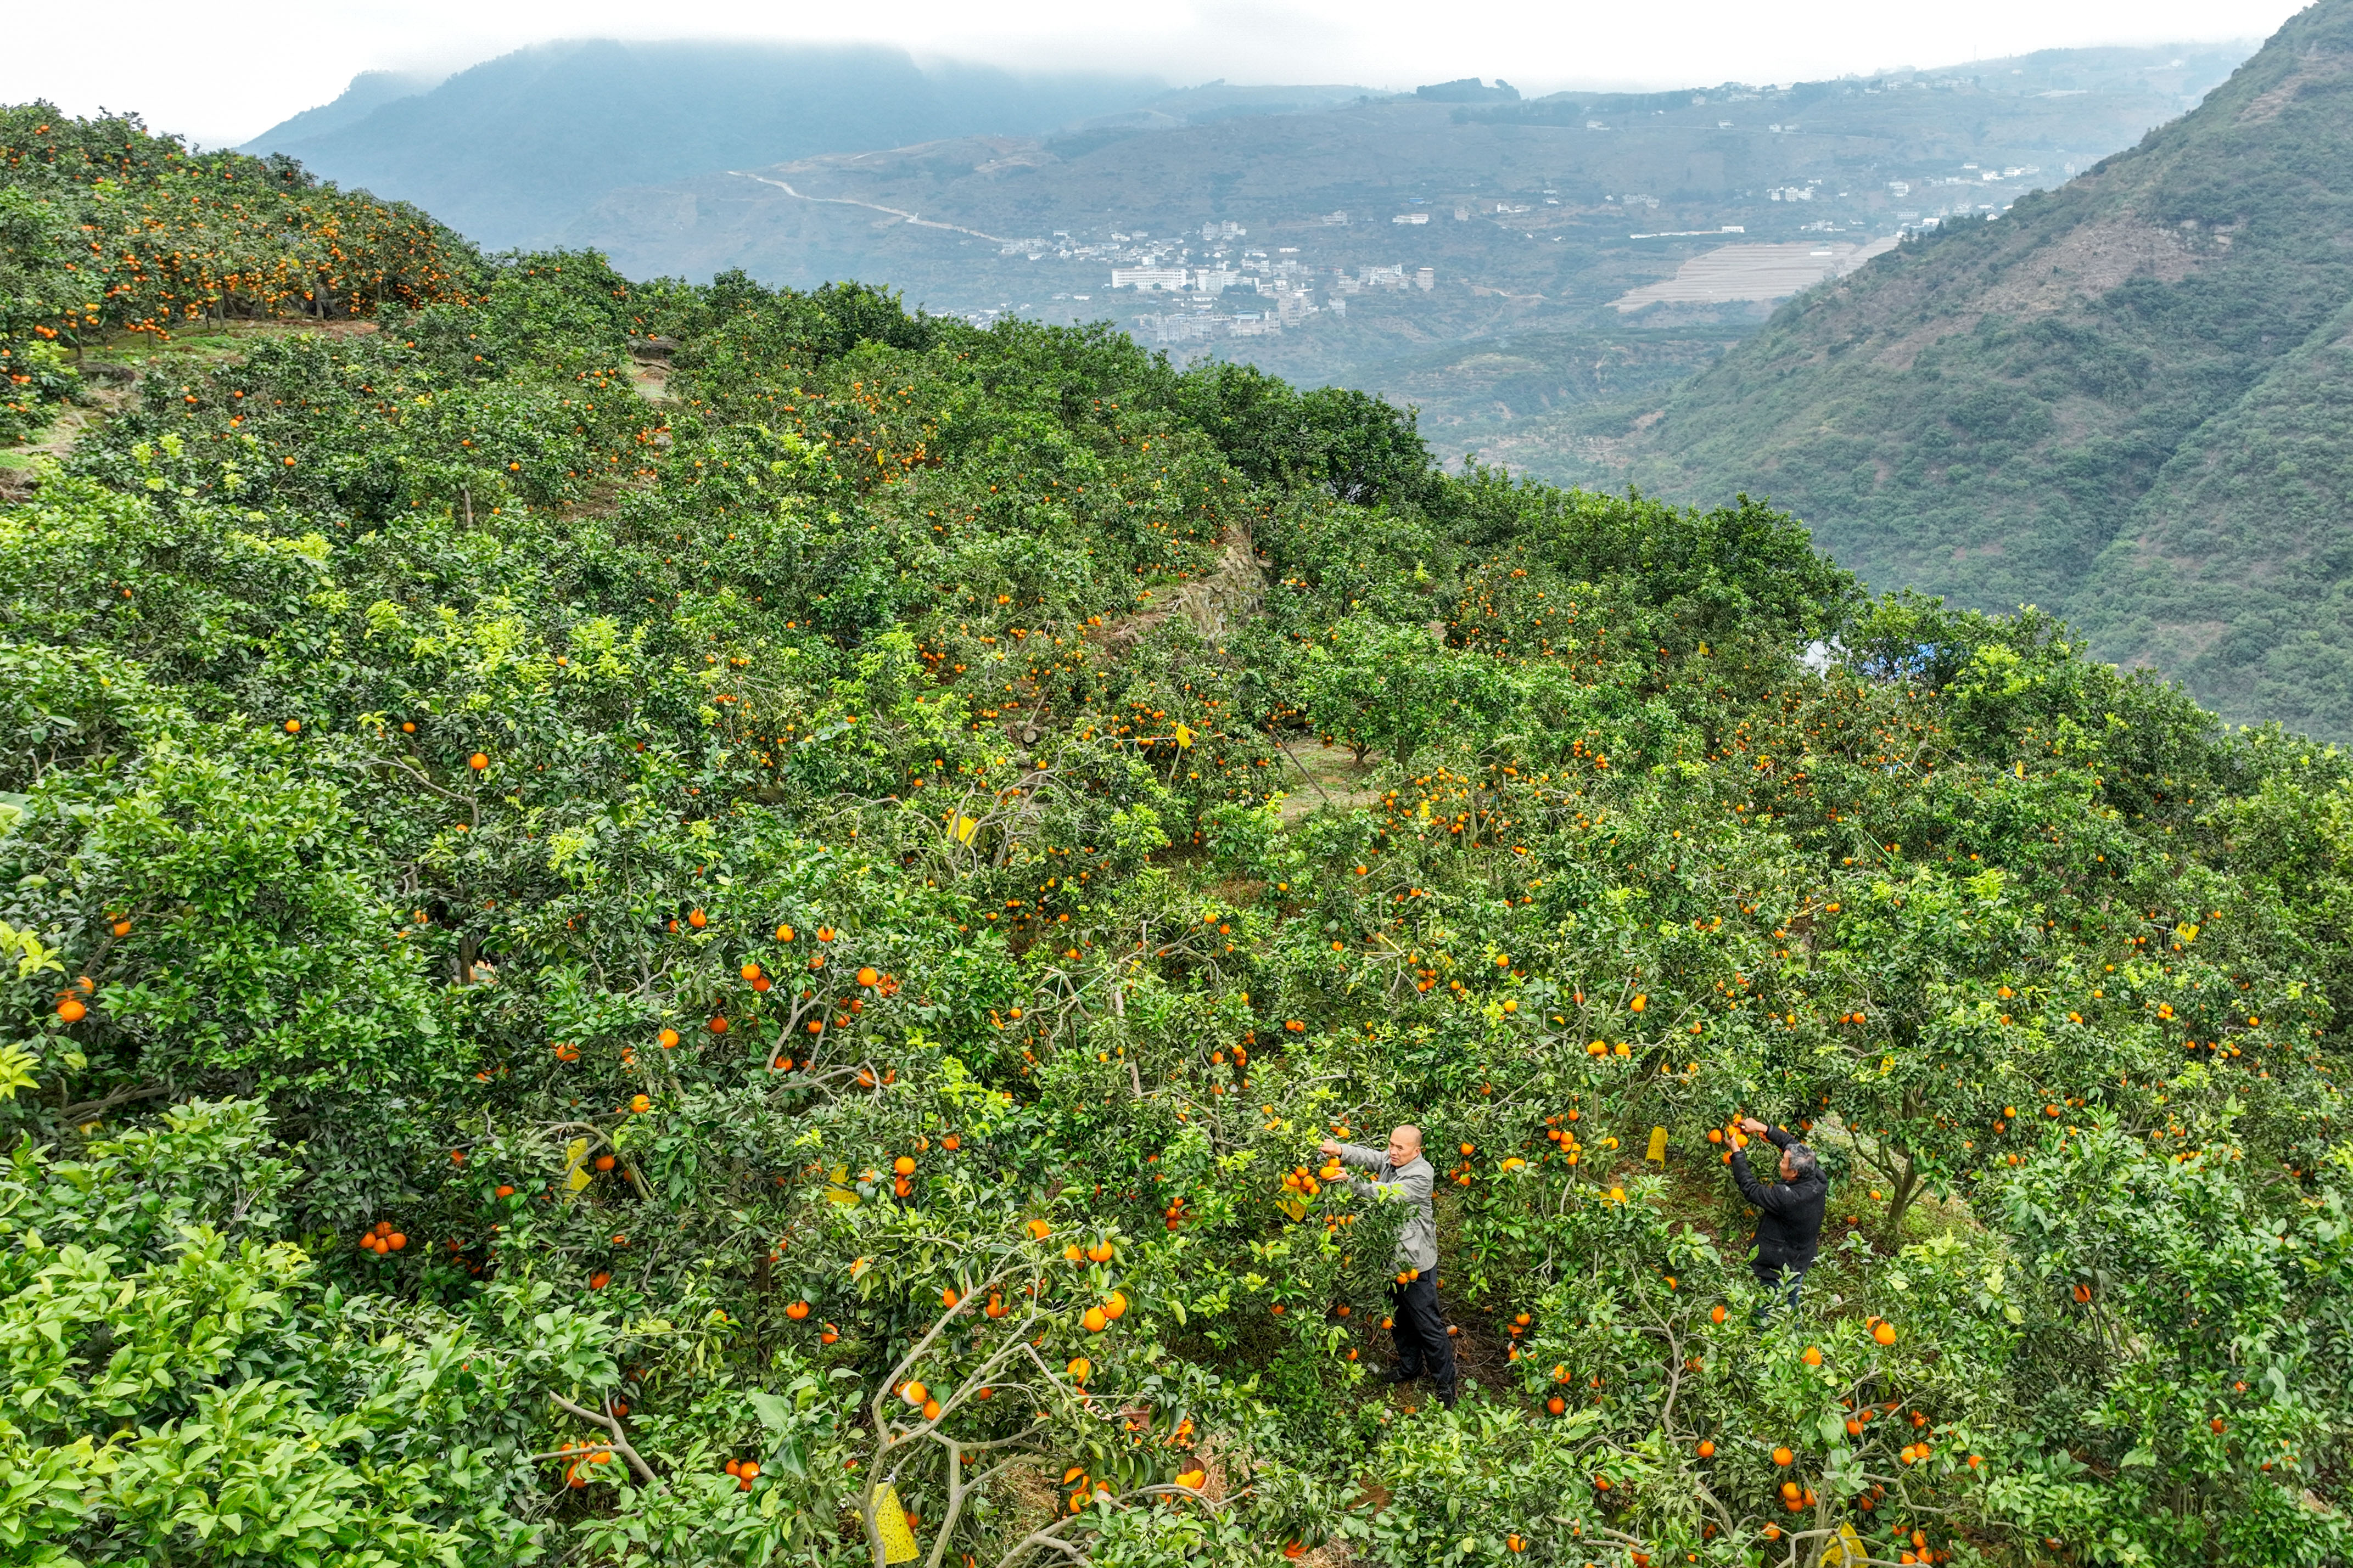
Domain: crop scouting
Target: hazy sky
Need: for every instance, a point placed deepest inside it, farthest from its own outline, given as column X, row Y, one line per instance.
column 225, row 82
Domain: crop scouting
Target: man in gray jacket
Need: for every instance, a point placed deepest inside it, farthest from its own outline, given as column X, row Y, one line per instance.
column 1402, row 1174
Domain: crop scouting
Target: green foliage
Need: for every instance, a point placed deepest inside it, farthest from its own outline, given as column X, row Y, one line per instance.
column 557, row 942
column 105, row 226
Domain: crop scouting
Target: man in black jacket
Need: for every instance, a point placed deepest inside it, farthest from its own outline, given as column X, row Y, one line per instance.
column 1789, row 1214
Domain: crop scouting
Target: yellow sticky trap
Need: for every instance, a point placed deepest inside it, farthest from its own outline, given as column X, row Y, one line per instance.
column 963, row 827
column 1658, row 1146
column 838, row 1188
column 1845, row 1549
column 1296, row 1209
column 891, row 1523
column 575, row 1164
column 1184, row 738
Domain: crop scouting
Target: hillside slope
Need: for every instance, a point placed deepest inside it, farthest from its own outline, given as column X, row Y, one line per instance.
column 1982, row 413
column 677, row 977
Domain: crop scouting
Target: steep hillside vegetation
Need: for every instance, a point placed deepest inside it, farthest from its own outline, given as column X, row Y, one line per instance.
column 105, row 230
column 757, row 974
column 1984, row 412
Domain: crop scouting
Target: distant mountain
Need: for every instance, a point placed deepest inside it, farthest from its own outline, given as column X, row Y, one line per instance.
column 512, row 150
column 369, row 91
column 1532, row 218
column 2129, row 399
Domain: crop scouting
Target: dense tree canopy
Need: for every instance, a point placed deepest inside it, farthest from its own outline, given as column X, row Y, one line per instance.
column 728, row 968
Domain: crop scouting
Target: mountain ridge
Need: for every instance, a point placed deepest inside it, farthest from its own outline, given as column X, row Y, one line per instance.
column 1987, row 412
column 507, row 150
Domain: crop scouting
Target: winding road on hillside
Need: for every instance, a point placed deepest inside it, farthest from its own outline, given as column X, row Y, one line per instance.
column 894, row 212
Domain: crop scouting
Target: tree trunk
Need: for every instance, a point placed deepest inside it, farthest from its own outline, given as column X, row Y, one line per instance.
column 1906, row 1188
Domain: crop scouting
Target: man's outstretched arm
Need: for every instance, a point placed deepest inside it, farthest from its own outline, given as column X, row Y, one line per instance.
column 1771, row 1200
column 1365, row 1159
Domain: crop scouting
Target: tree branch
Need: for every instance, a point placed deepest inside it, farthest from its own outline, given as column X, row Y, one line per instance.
column 612, row 1423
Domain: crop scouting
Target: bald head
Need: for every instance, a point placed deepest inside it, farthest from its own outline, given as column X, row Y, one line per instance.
column 1405, row 1145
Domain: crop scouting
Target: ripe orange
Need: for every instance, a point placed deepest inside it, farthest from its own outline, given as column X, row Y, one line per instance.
column 904, row 1165
column 718, row 1025
column 749, row 1470
column 1094, row 1319
column 478, row 760
column 71, row 1011
column 1814, row 1357
column 668, row 1038
column 750, row 970
column 1783, row 1455
column 697, row 919
column 1556, row 1405
column 293, row 726
column 1080, row 1368
column 1706, row 1449
column 1884, row 1334
column 797, row 1310
column 604, row 1162
column 914, row 1393
column 1115, row 1308
column 868, row 977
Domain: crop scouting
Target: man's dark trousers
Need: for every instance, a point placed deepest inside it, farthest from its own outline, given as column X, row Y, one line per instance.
column 1423, row 1344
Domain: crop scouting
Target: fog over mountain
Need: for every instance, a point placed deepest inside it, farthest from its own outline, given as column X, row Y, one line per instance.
column 511, row 149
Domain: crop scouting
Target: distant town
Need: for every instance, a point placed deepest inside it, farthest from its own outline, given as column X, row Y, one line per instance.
column 1211, row 284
